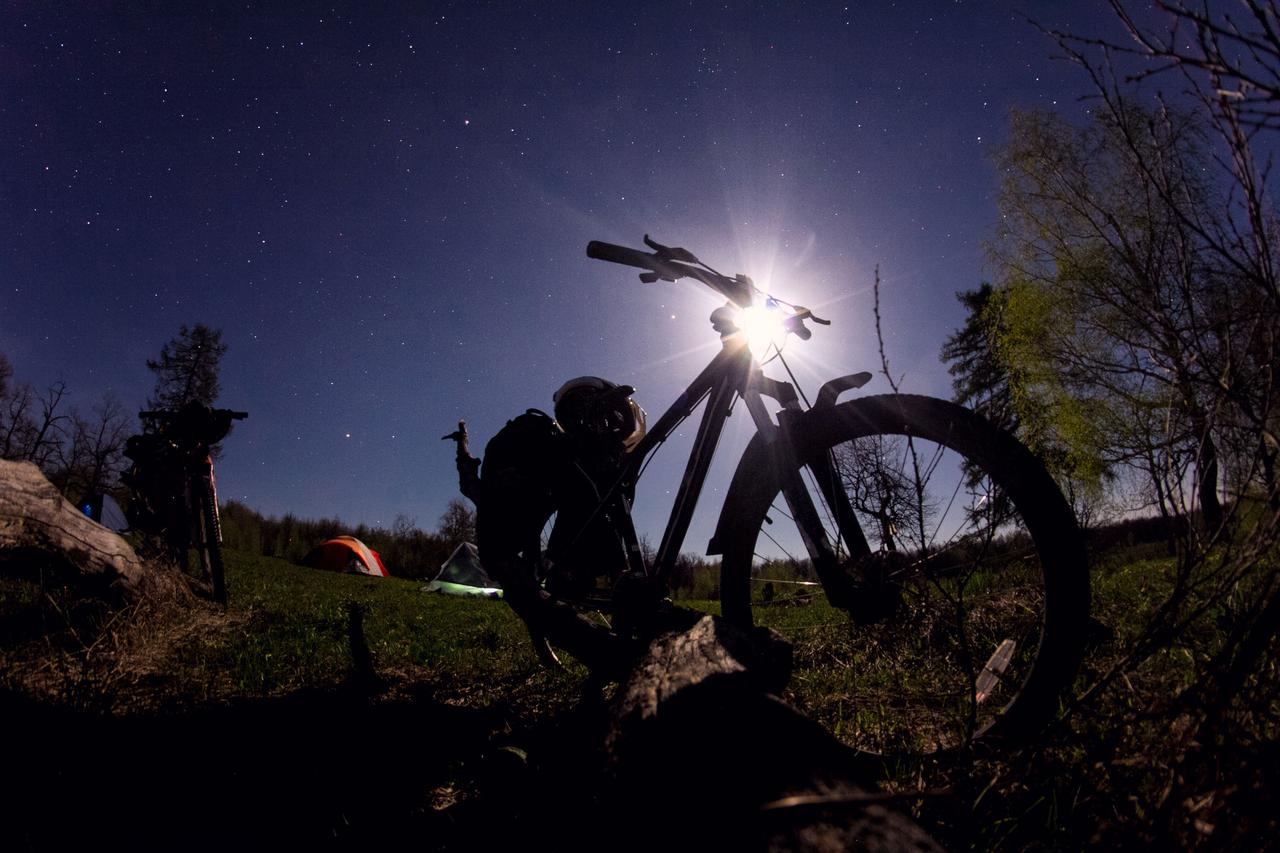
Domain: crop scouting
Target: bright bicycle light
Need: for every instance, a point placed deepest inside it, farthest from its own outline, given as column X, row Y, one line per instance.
column 763, row 327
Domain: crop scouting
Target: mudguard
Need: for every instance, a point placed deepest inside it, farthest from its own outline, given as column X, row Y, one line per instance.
column 753, row 480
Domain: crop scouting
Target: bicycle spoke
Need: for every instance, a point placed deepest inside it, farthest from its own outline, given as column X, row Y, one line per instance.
column 966, row 625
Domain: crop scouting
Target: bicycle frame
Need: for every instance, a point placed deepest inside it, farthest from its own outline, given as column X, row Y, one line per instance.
column 732, row 374
column 1036, row 613
column 192, row 430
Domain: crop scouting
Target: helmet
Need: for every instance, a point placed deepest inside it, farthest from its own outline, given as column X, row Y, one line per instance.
column 591, row 406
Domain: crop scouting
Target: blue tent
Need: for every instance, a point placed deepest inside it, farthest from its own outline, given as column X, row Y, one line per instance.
column 103, row 509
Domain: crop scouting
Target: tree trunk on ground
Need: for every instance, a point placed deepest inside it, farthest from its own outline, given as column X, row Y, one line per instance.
column 40, row 529
column 704, row 755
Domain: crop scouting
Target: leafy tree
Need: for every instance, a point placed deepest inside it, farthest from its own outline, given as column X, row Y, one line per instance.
column 1113, row 310
column 1207, row 370
column 188, row 368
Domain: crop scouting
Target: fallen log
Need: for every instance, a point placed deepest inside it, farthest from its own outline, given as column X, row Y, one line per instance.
column 704, row 754
column 41, row 529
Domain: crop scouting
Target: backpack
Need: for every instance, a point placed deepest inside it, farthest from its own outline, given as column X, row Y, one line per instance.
column 528, row 472
column 517, row 491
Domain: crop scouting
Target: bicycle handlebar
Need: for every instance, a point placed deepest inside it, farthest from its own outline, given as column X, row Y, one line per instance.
column 619, row 255
column 669, row 264
column 737, row 290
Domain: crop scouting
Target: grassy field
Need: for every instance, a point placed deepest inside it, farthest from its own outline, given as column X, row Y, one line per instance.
column 207, row 708
column 288, row 629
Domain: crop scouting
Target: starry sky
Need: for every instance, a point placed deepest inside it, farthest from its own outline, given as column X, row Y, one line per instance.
column 384, row 207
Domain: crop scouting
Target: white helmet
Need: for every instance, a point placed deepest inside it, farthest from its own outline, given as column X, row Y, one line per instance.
column 591, row 406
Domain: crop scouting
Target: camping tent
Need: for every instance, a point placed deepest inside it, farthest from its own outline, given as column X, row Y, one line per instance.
column 462, row 574
column 346, row 554
column 103, row 509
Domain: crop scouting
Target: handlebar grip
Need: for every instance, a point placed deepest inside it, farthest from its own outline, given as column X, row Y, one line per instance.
column 619, row 255
column 672, row 269
column 238, row 416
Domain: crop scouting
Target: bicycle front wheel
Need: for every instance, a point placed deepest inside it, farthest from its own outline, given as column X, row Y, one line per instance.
column 968, row 615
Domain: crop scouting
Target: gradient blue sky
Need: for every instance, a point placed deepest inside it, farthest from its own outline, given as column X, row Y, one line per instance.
column 385, row 207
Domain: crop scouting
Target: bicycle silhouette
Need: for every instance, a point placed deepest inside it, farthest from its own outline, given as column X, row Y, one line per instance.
column 961, row 616
column 173, row 496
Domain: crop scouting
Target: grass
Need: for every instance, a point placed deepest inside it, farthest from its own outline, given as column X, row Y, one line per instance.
column 287, row 629
column 159, row 725
column 285, row 635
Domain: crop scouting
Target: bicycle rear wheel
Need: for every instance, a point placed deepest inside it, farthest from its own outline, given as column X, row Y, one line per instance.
column 970, row 612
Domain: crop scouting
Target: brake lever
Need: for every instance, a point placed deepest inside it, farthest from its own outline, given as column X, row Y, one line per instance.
column 795, row 323
column 805, row 314
column 670, row 253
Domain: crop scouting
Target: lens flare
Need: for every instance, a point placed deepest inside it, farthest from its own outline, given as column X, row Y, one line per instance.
column 763, row 327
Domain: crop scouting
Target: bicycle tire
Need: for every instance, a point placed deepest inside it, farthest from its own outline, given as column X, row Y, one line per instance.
column 211, row 542
column 917, row 713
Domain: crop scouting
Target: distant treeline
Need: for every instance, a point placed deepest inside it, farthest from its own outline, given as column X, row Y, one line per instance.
column 406, row 551
column 409, row 552
column 1142, row 530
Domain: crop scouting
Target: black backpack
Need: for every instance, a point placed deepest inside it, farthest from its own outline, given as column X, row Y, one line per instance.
column 517, row 487
column 528, row 472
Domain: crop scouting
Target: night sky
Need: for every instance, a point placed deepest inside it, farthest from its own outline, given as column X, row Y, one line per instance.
column 385, row 208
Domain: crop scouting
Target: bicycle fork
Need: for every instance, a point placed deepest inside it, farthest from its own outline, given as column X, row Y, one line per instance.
column 780, row 438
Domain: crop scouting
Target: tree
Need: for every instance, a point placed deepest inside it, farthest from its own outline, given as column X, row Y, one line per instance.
column 6, row 374
column 79, row 453
column 32, row 426
column 92, row 457
column 879, row 479
column 1228, row 61
column 50, row 427
column 1180, row 322
column 979, row 379
column 16, row 428
column 1115, row 314
column 188, row 368
column 457, row 524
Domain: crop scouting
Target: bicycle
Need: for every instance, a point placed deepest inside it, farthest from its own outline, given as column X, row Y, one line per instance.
column 173, row 492
column 965, row 625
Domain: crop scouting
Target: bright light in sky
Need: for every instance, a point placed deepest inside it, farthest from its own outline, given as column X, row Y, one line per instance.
column 762, row 324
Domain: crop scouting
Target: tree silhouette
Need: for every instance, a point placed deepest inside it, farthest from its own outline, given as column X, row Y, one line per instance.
column 979, row 379
column 188, row 368
column 1118, row 322
column 884, row 488
column 457, row 524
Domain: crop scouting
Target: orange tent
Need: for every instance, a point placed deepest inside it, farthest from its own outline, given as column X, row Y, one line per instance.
column 346, row 554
